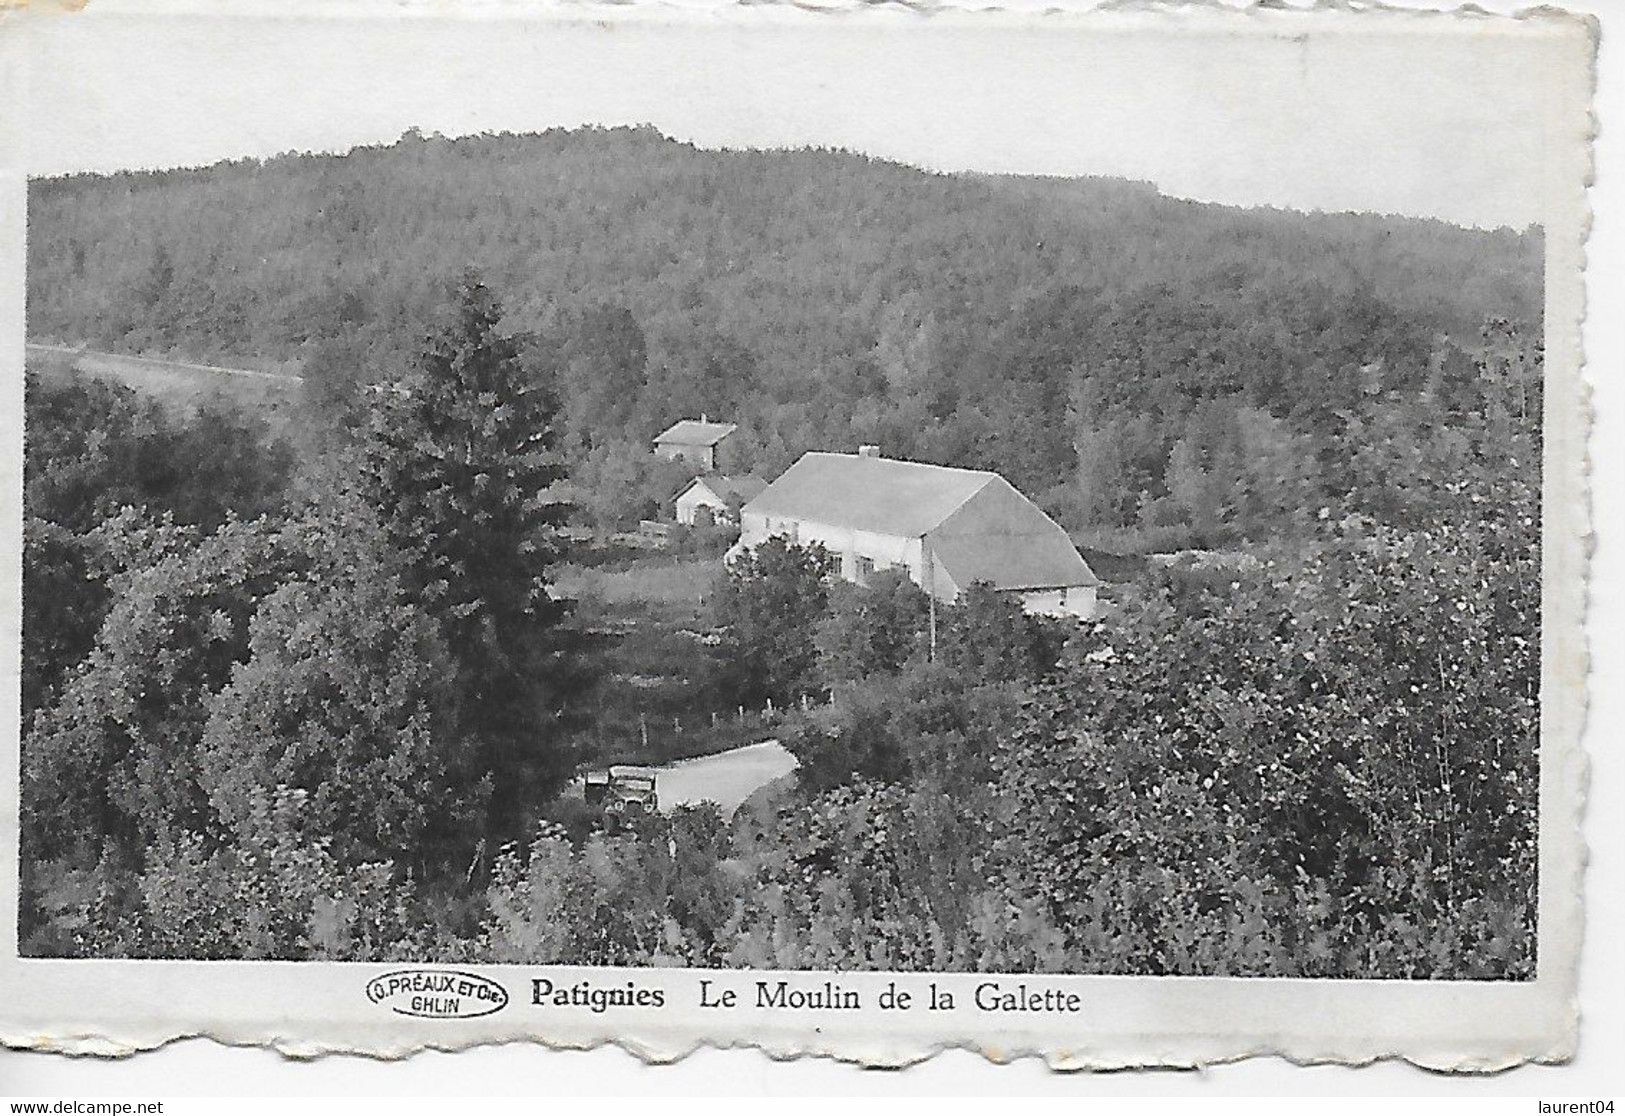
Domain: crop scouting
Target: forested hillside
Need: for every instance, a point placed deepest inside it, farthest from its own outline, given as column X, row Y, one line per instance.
column 1173, row 371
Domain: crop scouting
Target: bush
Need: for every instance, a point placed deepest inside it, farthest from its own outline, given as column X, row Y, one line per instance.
column 658, row 894
column 278, row 896
column 769, row 602
column 872, row 629
column 1327, row 771
column 930, row 722
column 885, row 877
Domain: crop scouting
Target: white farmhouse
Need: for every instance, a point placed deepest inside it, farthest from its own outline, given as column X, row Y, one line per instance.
column 949, row 528
column 716, row 497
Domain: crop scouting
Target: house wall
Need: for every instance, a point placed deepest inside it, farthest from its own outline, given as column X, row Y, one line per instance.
column 703, row 456
column 1078, row 601
column 859, row 553
column 940, row 584
column 693, row 499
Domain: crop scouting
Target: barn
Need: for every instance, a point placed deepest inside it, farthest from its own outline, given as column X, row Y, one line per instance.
column 716, row 497
column 697, row 441
column 948, row 528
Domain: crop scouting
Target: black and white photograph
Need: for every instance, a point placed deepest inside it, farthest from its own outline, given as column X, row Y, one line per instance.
column 555, row 499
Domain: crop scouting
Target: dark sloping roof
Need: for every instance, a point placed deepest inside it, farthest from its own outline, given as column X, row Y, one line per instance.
column 869, row 493
column 1001, row 537
column 729, row 488
column 1039, row 560
column 693, row 432
column 743, row 488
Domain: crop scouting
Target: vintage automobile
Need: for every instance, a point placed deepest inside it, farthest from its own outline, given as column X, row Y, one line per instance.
column 623, row 792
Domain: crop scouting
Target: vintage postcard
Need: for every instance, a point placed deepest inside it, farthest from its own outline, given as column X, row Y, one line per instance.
column 846, row 532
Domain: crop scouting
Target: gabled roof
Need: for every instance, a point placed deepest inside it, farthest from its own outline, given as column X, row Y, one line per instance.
column 729, row 488
column 981, row 528
column 1041, row 560
column 694, row 432
column 877, row 494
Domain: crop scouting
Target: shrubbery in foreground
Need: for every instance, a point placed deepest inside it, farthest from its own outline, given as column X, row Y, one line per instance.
column 1322, row 770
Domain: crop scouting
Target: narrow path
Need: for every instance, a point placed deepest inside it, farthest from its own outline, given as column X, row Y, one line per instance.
column 94, row 360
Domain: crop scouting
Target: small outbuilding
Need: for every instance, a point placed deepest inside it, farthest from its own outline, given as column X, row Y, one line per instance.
column 697, row 441
column 716, row 498
column 948, row 528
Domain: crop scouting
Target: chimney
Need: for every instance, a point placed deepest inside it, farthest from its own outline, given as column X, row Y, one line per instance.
column 704, row 417
column 868, row 451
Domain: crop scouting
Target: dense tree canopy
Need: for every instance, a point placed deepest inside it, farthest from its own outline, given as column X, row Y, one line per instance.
column 114, row 763
column 344, row 695
column 1115, row 354
column 93, row 449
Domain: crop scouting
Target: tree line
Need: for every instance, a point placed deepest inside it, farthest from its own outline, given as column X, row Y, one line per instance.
column 1119, row 356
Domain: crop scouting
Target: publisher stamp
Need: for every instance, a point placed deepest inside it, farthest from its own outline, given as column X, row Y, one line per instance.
column 437, row 994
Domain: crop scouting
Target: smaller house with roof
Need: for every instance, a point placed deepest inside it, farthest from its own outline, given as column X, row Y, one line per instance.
column 716, row 498
column 948, row 528
column 697, row 441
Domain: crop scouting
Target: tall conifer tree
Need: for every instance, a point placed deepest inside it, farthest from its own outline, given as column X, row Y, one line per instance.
column 462, row 464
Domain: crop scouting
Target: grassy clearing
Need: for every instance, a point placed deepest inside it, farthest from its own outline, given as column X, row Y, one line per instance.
column 665, row 584
column 660, row 699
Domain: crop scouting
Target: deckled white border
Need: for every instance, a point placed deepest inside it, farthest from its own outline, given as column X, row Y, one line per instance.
column 1511, row 1023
